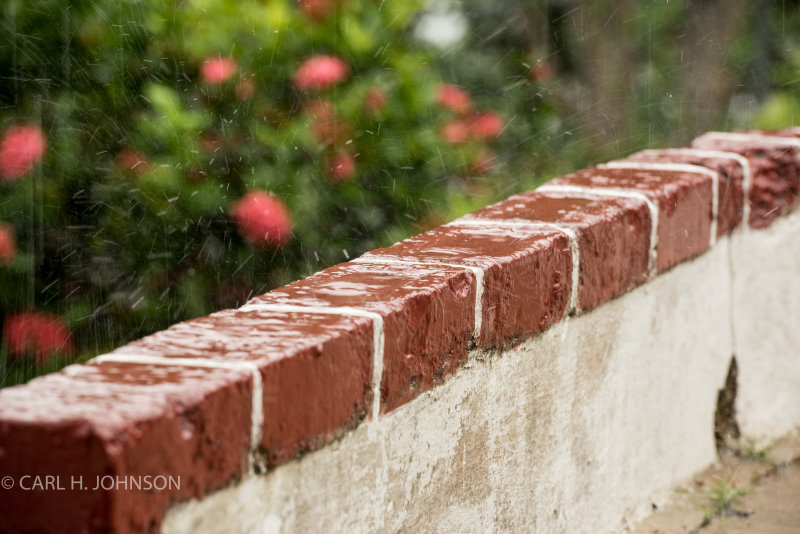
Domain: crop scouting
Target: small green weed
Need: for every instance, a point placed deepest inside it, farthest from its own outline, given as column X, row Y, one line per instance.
column 752, row 451
column 721, row 498
column 717, row 500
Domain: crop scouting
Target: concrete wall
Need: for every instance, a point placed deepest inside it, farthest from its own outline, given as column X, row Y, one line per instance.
column 573, row 431
column 578, row 430
column 766, row 315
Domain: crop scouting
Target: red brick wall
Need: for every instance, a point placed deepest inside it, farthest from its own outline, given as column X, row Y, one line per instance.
column 245, row 390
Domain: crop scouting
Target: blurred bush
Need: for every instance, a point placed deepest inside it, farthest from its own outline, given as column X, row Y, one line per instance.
column 160, row 160
column 166, row 159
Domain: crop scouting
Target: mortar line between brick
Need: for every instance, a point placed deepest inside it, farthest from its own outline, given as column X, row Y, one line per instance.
column 747, row 176
column 499, row 223
column 578, row 191
column 573, row 240
column 680, row 167
column 476, row 271
column 749, row 137
column 576, row 265
column 747, row 180
column 377, row 336
column 256, row 410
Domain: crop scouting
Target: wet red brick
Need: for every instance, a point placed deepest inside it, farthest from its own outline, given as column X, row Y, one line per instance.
column 428, row 315
column 119, row 420
column 527, row 280
column 731, row 173
column 316, row 369
column 613, row 237
column 684, row 201
column 774, row 165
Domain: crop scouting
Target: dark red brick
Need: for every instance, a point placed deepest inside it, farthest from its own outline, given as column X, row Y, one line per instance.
column 316, row 369
column 527, row 273
column 774, row 165
column 613, row 237
column 119, row 420
column 684, row 201
column 428, row 315
column 731, row 183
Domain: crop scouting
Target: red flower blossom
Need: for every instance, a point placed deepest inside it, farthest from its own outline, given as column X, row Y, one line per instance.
column 485, row 126
column 21, row 148
column 454, row 98
column 374, row 100
column 215, row 70
column 132, row 160
column 320, row 72
column 542, row 71
column 342, row 167
column 316, row 10
column 262, row 219
column 479, row 127
column 40, row 334
column 455, row 131
column 8, row 247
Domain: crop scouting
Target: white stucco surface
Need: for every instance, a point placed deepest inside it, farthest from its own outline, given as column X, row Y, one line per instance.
column 766, row 294
column 577, row 430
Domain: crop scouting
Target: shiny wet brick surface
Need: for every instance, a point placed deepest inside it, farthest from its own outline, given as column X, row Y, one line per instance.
column 428, row 314
column 119, row 419
column 731, row 182
column 527, row 273
column 613, row 237
column 684, row 203
column 776, row 173
column 316, row 369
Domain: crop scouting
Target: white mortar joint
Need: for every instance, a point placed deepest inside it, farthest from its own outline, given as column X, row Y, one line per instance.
column 377, row 336
column 595, row 193
column 257, row 408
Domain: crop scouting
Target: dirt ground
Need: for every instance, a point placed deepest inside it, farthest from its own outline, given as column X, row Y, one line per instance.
column 754, row 489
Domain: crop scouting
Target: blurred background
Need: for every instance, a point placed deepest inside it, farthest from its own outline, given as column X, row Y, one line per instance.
column 163, row 160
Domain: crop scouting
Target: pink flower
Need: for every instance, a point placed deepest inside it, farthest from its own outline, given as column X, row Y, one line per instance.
column 374, row 100
column 542, row 71
column 40, row 334
column 215, row 70
column 485, row 126
column 8, row 247
column 320, row 72
column 342, row 167
column 262, row 219
column 316, row 10
column 479, row 127
column 21, row 148
column 454, row 98
column 455, row 131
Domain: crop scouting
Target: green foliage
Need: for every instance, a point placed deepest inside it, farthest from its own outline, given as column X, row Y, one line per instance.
column 125, row 226
column 782, row 106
